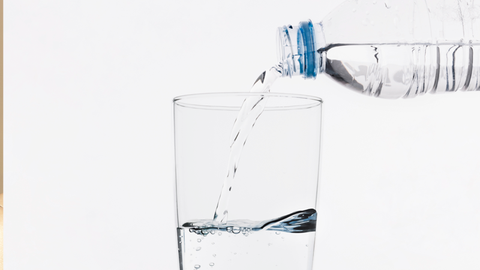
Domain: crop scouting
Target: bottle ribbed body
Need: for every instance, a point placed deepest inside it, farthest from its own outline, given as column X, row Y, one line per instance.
column 389, row 49
column 405, row 70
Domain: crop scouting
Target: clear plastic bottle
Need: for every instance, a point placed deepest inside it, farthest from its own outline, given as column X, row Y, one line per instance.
column 390, row 48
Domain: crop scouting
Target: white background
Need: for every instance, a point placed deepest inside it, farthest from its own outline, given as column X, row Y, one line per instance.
column 89, row 172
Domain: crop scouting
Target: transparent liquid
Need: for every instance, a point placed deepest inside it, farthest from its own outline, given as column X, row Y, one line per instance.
column 404, row 70
column 283, row 243
column 250, row 111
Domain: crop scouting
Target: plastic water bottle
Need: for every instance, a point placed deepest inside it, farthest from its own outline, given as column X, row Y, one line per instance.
column 390, row 48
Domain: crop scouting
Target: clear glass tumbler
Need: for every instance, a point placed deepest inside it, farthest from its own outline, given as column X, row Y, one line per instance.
column 256, row 169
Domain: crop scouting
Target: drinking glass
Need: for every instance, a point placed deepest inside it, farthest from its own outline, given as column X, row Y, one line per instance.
column 266, row 217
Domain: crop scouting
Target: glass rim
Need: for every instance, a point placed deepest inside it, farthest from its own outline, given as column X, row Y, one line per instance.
column 187, row 100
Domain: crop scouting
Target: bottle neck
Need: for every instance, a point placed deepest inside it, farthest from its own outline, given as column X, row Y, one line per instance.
column 299, row 49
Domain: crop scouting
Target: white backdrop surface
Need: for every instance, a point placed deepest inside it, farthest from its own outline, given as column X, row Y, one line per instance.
column 89, row 172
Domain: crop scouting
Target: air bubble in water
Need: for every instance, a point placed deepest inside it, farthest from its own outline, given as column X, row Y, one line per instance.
column 277, row 233
column 388, row 5
column 197, row 266
column 246, row 231
column 211, row 264
column 234, row 230
column 219, row 233
column 214, row 255
column 199, row 240
column 198, row 248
